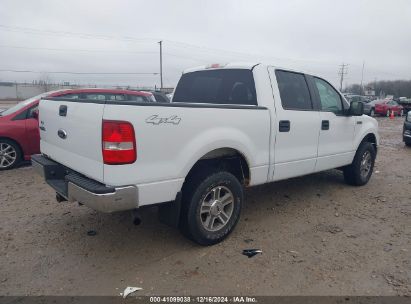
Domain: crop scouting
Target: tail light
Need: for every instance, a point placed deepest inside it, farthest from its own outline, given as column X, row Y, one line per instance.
column 118, row 143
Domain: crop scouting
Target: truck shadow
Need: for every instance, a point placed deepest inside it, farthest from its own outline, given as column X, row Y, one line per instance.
column 117, row 236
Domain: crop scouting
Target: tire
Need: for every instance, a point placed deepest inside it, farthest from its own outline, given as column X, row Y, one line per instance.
column 10, row 154
column 372, row 112
column 408, row 144
column 355, row 174
column 203, row 212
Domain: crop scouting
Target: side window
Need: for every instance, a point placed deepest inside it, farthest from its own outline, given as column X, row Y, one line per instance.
column 329, row 98
column 137, row 98
column 95, row 96
column 115, row 97
column 32, row 110
column 70, row 96
column 293, row 91
column 160, row 98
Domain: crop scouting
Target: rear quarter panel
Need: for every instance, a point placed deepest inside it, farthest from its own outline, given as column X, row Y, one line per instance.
column 168, row 150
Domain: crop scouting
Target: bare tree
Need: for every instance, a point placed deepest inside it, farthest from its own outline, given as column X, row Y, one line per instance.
column 45, row 82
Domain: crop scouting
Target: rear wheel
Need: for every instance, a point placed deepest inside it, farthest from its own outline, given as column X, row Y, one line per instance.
column 10, row 154
column 211, row 207
column 360, row 170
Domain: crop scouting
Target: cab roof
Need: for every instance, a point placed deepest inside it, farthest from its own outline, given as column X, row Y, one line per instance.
column 242, row 65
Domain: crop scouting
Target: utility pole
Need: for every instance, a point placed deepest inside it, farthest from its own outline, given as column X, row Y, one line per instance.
column 161, row 63
column 362, row 77
column 342, row 72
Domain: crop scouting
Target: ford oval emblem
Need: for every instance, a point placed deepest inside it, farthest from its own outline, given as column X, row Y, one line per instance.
column 62, row 134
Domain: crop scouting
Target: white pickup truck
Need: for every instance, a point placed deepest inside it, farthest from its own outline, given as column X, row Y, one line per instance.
column 228, row 127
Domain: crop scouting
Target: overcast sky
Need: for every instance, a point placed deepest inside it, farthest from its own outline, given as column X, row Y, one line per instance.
column 118, row 36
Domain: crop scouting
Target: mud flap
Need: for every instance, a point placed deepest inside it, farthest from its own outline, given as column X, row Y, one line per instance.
column 169, row 213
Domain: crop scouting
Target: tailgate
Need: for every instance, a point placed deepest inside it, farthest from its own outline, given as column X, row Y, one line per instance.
column 70, row 133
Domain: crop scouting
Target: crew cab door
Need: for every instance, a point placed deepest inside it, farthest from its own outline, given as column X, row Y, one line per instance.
column 296, row 125
column 336, row 140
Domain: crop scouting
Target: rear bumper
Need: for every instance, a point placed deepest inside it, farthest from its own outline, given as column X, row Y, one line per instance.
column 77, row 188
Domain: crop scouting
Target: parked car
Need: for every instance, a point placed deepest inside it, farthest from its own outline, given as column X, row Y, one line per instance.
column 383, row 107
column 228, row 127
column 19, row 127
column 363, row 99
column 405, row 103
column 406, row 132
column 160, row 96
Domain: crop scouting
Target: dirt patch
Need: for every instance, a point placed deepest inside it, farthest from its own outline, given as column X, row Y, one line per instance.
column 319, row 236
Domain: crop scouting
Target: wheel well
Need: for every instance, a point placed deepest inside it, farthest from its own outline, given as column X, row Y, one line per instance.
column 226, row 159
column 370, row 137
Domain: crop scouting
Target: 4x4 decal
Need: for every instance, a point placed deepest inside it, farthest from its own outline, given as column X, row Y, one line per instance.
column 155, row 120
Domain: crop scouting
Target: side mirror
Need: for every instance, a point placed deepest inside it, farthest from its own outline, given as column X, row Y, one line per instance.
column 35, row 114
column 356, row 108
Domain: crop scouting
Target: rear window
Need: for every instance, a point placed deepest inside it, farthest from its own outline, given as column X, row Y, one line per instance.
column 235, row 86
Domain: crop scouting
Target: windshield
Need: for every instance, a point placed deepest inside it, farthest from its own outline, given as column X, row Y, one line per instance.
column 23, row 104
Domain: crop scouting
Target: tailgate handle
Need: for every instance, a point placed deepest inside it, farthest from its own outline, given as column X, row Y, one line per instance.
column 63, row 110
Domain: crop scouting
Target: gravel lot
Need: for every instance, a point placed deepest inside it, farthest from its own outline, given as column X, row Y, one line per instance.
column 319, row 236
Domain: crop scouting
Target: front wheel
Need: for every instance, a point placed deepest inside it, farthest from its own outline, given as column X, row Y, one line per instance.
column 360, row 170
column 211, row 207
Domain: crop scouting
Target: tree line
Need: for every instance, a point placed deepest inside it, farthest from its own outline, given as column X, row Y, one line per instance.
column 398, row 88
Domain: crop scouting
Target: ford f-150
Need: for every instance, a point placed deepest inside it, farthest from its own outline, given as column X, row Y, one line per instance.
column 228, row 127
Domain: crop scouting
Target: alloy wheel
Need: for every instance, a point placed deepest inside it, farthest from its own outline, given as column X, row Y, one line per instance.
column 8, row 155
column 216, row 208
column 365, row 166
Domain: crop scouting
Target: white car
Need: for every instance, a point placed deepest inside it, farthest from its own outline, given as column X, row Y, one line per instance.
column 228, row 127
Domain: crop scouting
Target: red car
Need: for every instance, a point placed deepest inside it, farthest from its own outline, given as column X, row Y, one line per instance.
column 19, row 127
column 386, row 107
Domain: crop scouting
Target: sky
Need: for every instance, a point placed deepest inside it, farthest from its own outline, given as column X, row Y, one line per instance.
column 115, row 42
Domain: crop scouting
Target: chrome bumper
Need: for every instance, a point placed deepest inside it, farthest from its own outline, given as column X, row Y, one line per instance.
column 77, row 188
column 124, row 198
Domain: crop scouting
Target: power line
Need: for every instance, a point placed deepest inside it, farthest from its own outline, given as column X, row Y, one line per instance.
column 78, row 73
column 28, row 30
column 103, row 51
column 179, row 44
column 76, row 50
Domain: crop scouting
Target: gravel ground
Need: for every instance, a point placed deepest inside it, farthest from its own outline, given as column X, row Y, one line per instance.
column 319, row 236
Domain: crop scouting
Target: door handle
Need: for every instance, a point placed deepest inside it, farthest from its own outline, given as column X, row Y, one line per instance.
column 325, row 125
column 284, row 126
